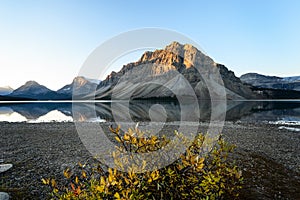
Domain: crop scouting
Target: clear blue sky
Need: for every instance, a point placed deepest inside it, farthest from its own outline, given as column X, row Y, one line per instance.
column 48, row 40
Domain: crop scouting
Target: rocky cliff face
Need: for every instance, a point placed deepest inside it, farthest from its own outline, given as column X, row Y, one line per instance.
column 176, row 70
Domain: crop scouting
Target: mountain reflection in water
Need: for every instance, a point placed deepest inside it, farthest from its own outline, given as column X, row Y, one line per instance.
column 160, row 111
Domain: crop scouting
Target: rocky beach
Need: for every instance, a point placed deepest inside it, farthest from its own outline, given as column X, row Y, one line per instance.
column 269, row 157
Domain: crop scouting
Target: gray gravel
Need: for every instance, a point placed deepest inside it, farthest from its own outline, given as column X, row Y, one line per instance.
column 268, row 156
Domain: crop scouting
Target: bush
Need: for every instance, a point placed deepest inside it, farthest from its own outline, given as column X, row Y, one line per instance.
column 189, row 177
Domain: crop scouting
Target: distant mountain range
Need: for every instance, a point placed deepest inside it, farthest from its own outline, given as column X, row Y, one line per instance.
column 5, row 90
column 272, row 82
column 160, row 74
column 35, row 91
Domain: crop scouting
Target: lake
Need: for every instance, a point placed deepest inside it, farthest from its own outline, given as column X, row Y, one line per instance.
column 38, row 142
column 284, row 112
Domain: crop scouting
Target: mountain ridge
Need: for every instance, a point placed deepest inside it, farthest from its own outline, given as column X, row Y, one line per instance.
column 272, row 82
column 79, row 88
column 5, row 90
column 162, row 65
column 35, row 91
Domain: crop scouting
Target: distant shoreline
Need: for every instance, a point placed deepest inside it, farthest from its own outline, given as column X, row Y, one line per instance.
column 140, row 100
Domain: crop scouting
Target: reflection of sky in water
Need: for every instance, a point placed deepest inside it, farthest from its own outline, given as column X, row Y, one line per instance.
column 8, row 115
column 53, row 116
column 12, row 117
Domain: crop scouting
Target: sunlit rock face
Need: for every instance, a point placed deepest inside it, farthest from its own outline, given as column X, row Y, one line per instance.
column 177, row 70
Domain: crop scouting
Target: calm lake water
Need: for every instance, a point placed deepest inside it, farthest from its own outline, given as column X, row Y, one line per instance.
column 280, row 112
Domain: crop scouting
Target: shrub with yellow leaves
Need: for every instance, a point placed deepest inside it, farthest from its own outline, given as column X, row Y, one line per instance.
column 189, row 177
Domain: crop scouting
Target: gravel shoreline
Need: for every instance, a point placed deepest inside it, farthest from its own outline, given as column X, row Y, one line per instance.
column 268, row 156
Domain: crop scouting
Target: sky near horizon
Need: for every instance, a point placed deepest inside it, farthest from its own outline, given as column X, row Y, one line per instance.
column 49, row 40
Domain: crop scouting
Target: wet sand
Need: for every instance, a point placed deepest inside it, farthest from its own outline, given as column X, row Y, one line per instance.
column 268, row 156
